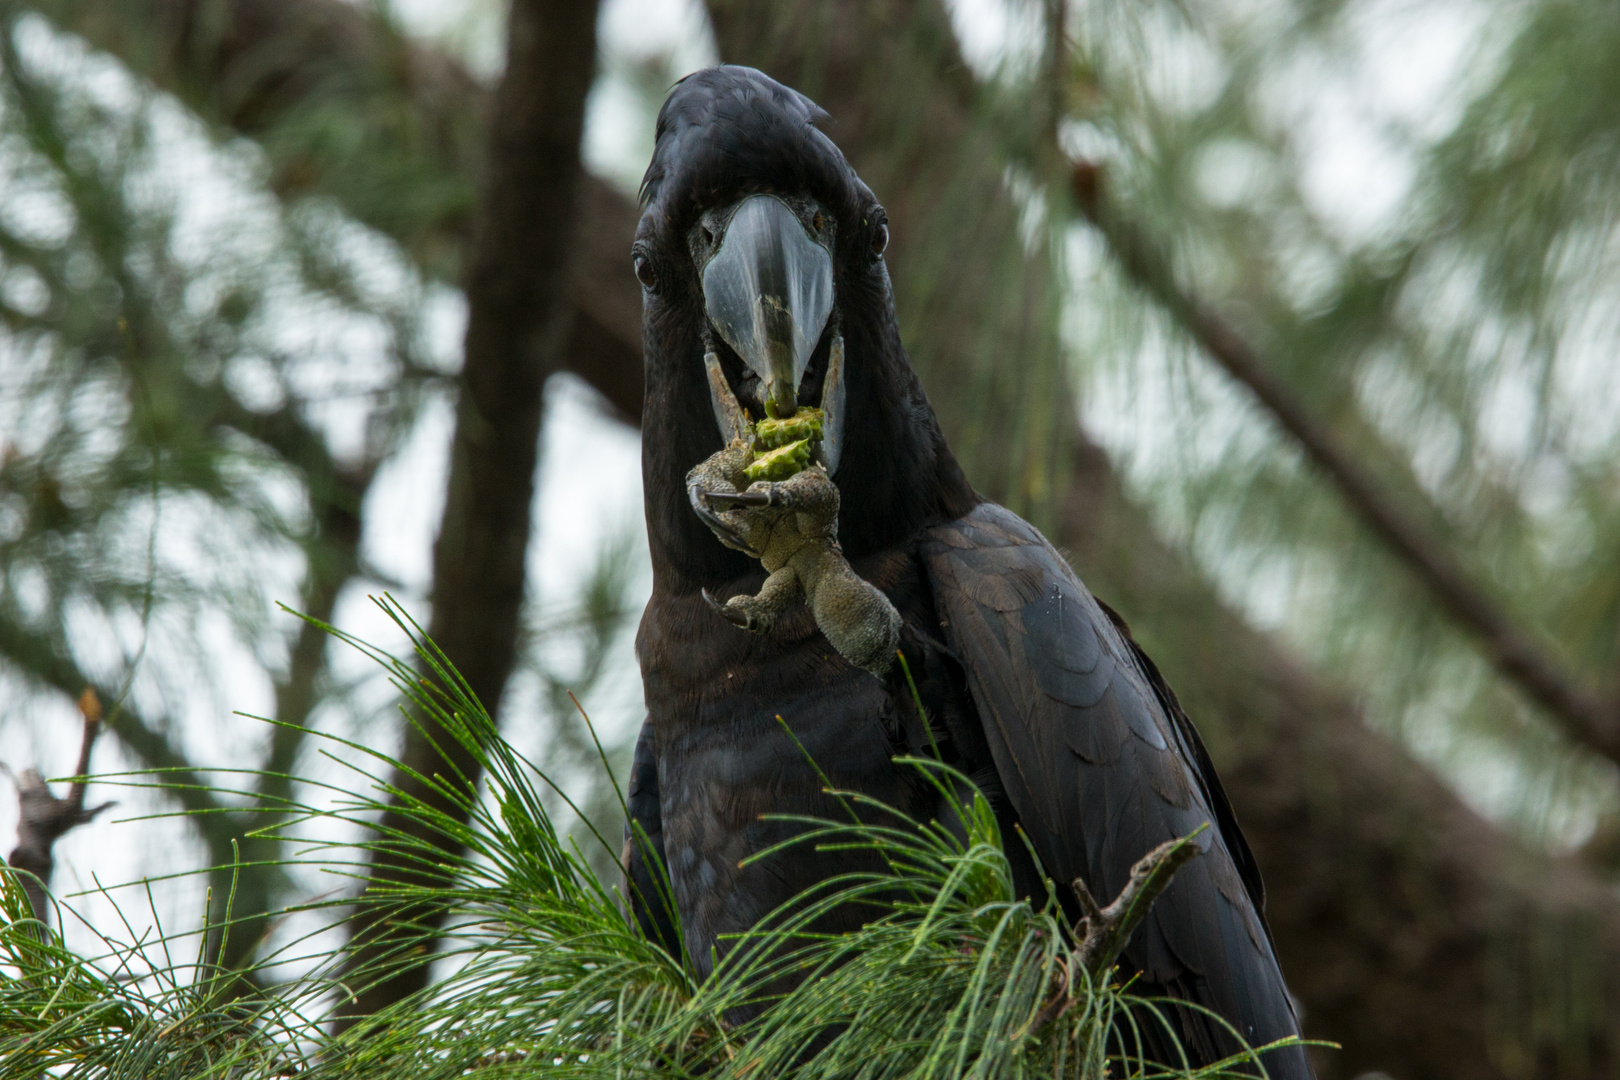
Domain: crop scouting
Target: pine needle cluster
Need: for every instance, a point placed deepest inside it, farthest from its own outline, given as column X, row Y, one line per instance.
column 545, row 973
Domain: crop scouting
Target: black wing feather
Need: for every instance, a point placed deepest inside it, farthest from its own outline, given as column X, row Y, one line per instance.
column 1101, row 765
column 1209, row 783
column 646, row 878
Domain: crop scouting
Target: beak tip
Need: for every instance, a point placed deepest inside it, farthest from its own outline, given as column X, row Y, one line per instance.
column 783, row 401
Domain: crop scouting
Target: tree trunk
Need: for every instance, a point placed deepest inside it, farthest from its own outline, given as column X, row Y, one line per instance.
column 517, row 323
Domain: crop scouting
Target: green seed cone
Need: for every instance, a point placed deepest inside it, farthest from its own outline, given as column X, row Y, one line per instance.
column 774, row 434
column 782, row 447
column 781, row 463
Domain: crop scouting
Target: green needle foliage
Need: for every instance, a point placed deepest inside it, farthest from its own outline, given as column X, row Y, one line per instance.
column 952, row 977
column 132, row 1011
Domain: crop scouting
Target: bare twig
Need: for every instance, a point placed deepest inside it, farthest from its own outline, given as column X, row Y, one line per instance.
column 1588, row 717
column 43, row 819
column 1107, row 930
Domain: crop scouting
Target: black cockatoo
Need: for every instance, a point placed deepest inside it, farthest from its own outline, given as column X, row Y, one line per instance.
column 760, row 255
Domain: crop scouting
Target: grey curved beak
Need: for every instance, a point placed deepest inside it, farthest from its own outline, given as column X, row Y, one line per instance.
column 769, row 292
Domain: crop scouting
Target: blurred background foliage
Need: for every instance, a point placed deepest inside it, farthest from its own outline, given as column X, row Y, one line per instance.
column 1411, row 209
column 229, row 331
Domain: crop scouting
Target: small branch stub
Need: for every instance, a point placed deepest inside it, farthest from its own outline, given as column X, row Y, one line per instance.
column 43, row 819
column 1107, row 930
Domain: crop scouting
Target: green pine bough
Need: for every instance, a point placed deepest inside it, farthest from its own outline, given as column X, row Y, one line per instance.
column 953, row 977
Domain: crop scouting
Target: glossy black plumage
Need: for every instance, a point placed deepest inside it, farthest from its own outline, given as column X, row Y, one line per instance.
column 1101, row 765
column 1035, row 690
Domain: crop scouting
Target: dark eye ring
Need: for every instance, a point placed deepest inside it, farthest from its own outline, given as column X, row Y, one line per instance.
column 644, row 272
column 818, row 222
column 880, row 238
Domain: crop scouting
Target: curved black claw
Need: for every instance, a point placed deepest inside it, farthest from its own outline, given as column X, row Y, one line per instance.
column 728, row 499
column 726, row 534
column 731, row 615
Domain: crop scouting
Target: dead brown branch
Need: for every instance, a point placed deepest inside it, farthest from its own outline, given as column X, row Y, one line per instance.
column 1588, row 717
column 1107, row 930
column 43, row 819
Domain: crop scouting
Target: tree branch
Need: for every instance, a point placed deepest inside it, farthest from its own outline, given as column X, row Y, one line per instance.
column 43, row 819
column 1407, row 925
column 40, row 660
column 395, row 132
column 1587, row 717
column 1108, row 929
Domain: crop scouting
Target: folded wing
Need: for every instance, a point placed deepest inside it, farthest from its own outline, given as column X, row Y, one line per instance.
column 1101, row 765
